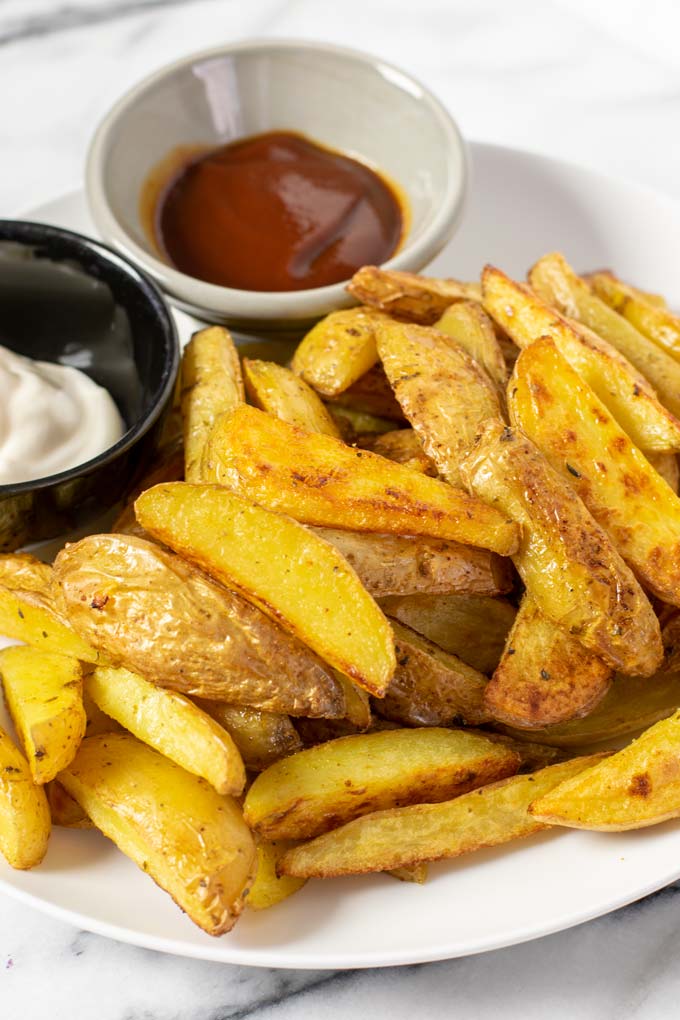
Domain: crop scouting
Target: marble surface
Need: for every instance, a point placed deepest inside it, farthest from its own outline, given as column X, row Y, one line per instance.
column 595, row 83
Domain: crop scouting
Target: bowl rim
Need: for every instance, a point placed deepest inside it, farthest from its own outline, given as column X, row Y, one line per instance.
column 266, row 305
column 36, row 232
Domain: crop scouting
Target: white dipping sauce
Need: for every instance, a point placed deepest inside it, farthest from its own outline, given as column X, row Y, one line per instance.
column 52, row 417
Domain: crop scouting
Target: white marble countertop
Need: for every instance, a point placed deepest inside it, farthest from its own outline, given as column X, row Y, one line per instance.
column 594, row 83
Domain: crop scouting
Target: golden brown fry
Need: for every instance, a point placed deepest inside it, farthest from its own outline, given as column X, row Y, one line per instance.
column 407, row 295
column 646, row 312
column 268, row 889
column 24, row 812
column 189, row 839
column 472, row 627
column 280, row 392
column 627, row 394
column 319, row 480
column 404, row 836
column 371, row 394
column 261, row 737
column 442, row 391
column 431, row 687
column 402, row 564
column 404, row 447
column 285, row 569
column 317, row 789
column 581, row 441
column 337, row 351
column 150, row 611
column 565, row 559
column 545, row 675
column 211, row 386
column 553, row 279
column 636, row 787
column 471, row 327
column 44, row 696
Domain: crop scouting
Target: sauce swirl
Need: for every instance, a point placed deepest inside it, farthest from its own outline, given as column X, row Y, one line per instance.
column 277, row 212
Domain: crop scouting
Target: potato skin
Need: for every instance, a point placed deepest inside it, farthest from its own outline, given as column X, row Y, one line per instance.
column 337, row 351
column 147, row 609
column 408, row 296
column 24, row 813
column 403, row 447
column 565, row 558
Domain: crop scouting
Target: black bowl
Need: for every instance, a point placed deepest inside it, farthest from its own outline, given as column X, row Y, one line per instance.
column 65, row 298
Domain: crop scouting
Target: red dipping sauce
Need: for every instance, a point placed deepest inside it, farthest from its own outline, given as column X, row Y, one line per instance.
column 276, row 212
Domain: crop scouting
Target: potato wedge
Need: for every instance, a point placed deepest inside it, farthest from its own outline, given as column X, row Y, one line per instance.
column 261, row 737
column 402, row 565
column 628, row 707
column 621, row 388
column 431, row 687
column 647, row 313
column 44, row 697
column 407, row 295
column 280, row 392
column 403, row 447
column 24, row 813
column 618, row 485
column 317, row 789
column 268, row 889
column 337, row 351
column 319, row 480
column 472, row 627
column 64, row 810
column 170, row 723
column 148, row 610
column 357, row 704
column 211, row 385
column 371, row 394
column 469, row 325
column 532, row 756
column 404, row 836
column 565, row 559
column 192, row 841
column 442, row 391
column 553, row 279
column 636, row 787
column 545, row 675
column 285, row 569
column 29, row 610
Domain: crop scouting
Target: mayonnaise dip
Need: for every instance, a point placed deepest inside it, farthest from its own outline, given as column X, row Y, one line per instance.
column 52, row 417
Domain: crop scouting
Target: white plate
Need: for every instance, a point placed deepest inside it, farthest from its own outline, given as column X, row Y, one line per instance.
column 521, row 206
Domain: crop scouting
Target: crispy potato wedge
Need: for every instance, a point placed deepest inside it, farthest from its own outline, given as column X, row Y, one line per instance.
column 402, row 565
column 472, row 627
column 261, row 737
column 148, row 610
column 628, row 707
column 545, row 675
column 269, row 888
column 431, row 687
column 565, row 558
column 404, row 836
column 442, row 391
column 317, row 789
column 532, row 756
column 44, row 696
column 409, row 873
column 371, row 394
column 407, row 295
column 319, row 480
column 618, row 485
column 666, row 465
column 647, row 313
column 288, row 571
column 469, row 325
column 280, row 392
column 636, row 787
column 553, row 279
column 170, row 723
column 354, row 424
column 64, row 810
column 337, row 351
column 621, row 388
column 211, row 385
column 24, row 812
column 29, row 610
column 192, row 841
column 403, row 447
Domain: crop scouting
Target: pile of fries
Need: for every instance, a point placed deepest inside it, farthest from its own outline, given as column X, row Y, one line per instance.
column 382, row 613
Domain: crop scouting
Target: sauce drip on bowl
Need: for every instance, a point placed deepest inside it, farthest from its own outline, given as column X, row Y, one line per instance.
column 277, row 212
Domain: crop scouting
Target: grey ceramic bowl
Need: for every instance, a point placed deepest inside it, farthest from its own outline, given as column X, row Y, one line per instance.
column 339, row 97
